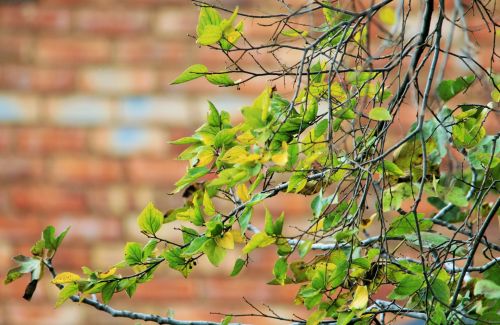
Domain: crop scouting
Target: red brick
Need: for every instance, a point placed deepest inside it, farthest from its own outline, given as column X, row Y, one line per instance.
column 49, row 140
column 85, row 170
column 5, row 139
column 110, row 80
column 88, row 227
column 44, row 313
column 20, row 228
column 47, row 199
column 18, row 169
column 155, row 171
column 152, row 3
column 15, row 48
column 112, row 22
column 165, row 289
column 176, row 22
column 36, row 78
column 132, row 50
column 114, row 200
column 70, row 50
column 30, row 17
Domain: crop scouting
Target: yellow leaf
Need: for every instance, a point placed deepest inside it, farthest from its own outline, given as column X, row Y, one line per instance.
column 281, row 158
column 360, row 299
column 242, row 192
column 226, row 241
column 208, row 205
column 204, row 157
column 110, row 272
column 238, row 155
column 365, row 223
column 317, row 227
column 207, row 138
column 387, row 15
column 246, row 138
column 237, row 236
column 338, row 92
column 65, row 277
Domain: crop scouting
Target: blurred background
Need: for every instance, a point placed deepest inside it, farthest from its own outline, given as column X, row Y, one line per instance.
column 86, row 111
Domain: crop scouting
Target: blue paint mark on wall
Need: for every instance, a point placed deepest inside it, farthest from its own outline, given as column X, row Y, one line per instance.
column 9, row 110
column 137, row 108
column 129, row 140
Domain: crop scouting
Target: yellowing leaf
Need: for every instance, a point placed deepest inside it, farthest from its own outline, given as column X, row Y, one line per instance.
column 365, row 223
column 317, row 227
column 281, row 158
column 246, row 138
column 238, row 155
column 208, row 205
column 360, row 299
column 204, row 157
column 150, row 220
column 212, row 34
column 237, row 236
column 110, row 272
column 380, row 114
column 258, row 240
column 316, row 317
column 338, row 92
column 387, row 15
column 226, row 241
column 65, row 277
column 242, row 192
column 193, row 72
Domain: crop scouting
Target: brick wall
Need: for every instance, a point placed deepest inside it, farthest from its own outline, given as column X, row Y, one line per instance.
column 85, row 114
column 86, row 111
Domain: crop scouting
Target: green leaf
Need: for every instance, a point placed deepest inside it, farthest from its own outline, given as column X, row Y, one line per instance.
column 13, row 274
column 227, row 320
column 345, row 317
column 238, row 265
column 342, row 267
column 208, row 16
column 407, row 286
column 453, row 215
column 214, row 252
column 278, row 225
column 392, row 168
column 26, row 265
column 192, row 175
column 210, row 35
column 150, row 220
column 305, row 247
column 176, row 261
column 406, row 224
column 108, row 291
column 133, row 253
column 49, row 238
column 220, row 79
column 195, row 246
column 258, row 240
column 279, row 270
column 487, row 288
column 193, row 72
column 448, row 89
column 65, row 293
column 268, row 223
column 380, row 114
column 316, row 317
column 441, row 291
column 149, row 248
column 244, row 218
column 429, row 239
